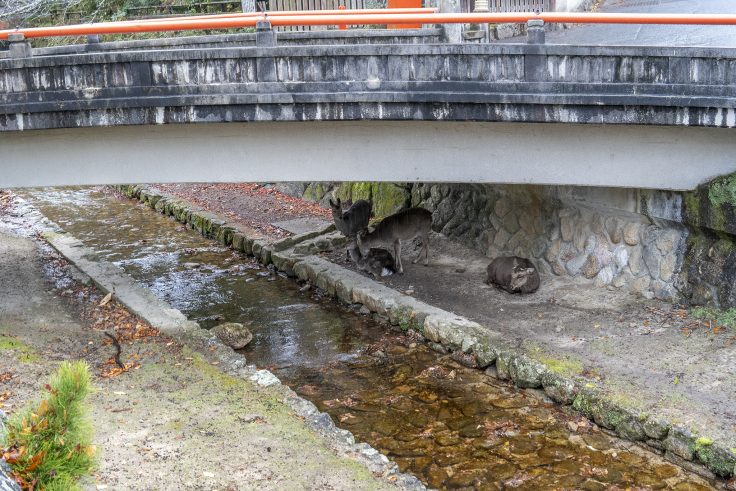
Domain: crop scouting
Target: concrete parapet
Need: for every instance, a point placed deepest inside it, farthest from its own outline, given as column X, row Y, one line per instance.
column 19, row 47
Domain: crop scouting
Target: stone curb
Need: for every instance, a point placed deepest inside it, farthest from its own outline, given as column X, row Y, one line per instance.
column 469, row 342
column 173, row 323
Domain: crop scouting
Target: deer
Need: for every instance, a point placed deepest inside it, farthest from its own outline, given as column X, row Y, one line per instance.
column 352, row 220
column 513, row 274
column 404, row 225
column 377, row 262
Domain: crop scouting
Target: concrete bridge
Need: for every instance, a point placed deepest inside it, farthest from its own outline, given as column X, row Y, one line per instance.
column 366, row 105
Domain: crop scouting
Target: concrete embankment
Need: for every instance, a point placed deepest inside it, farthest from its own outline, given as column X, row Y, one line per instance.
column 477, row 345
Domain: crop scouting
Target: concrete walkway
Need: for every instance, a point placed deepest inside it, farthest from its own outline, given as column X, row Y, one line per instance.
column 174, row 421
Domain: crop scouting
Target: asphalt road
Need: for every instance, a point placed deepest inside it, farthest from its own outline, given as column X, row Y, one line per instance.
column 654, row 35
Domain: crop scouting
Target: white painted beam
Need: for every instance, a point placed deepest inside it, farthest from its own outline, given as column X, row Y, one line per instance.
column 583, row 155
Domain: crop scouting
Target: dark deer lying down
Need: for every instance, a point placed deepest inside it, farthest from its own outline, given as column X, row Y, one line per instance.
column 513, row 274
column 377, row 262
column 404, row 225
column 352, row 220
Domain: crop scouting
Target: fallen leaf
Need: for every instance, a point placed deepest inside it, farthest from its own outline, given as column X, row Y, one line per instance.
column 106, row 300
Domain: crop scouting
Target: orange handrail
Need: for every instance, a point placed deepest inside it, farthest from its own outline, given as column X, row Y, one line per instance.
column 369, row 19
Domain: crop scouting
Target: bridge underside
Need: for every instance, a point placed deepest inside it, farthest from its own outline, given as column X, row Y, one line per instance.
column 475, row 152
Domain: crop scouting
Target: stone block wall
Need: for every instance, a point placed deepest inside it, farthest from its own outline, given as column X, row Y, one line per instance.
column 658, row 244
column 562, row 233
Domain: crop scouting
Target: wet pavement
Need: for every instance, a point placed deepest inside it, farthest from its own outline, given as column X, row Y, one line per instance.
column 451, row 426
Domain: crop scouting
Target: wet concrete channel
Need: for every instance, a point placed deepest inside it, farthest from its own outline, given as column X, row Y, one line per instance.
column 453, row 427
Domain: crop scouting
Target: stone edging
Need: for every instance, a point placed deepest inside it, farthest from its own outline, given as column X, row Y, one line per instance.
column 173, row 323
column 470, row 343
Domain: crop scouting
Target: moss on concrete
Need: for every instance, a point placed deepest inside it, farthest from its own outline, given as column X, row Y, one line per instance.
column 389, row 198
column 566, row 366
column 723, row 190
column 692, row 207
column 25, row 353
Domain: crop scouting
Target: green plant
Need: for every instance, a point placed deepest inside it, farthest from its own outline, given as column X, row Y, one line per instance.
column 723, row 318
column 48, row 445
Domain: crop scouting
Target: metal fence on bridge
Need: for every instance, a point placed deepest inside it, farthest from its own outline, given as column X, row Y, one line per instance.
column 219, row 6
column 512, row 5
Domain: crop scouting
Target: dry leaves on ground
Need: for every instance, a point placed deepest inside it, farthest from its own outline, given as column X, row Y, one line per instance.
column 230, row 199
column 111, row 368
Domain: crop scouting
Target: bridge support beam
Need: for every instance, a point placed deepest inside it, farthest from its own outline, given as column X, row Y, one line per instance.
column 396, row 151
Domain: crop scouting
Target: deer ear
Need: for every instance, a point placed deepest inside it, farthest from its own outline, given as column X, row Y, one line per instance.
column 332, row 205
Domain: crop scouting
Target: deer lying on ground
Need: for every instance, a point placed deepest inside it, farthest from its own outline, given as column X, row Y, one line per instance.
column 377, row 262
column 404, row 225
column 513, row 274
column 352, row 220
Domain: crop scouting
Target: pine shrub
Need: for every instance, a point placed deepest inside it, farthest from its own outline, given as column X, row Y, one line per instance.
column 48, row 445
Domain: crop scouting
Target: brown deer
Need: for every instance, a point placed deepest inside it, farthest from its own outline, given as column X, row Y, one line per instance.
column 404, row 225
column 352, row 220
column 377, row 262
column 513, row 274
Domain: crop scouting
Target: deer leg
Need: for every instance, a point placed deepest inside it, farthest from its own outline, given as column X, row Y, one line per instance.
column 425, row 243
column 419, row 256
column 397, row 257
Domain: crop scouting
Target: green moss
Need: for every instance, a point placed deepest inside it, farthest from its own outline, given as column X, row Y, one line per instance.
column 692, row 207
column 566, row 367
column 315, row 191
column 361, row 190
column 389, row 198
column 723, row 190
column 703, row 442
column 26, row 354
column 584, row 403
column 407, row 319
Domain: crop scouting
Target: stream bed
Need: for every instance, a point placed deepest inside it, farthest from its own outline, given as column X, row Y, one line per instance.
column 451, row 426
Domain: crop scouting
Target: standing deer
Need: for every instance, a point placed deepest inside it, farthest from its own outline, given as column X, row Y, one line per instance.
column 352, row 220
column 404, row 225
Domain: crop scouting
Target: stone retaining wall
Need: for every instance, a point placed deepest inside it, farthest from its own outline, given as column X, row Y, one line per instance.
column 476, row 345
column 658, row 244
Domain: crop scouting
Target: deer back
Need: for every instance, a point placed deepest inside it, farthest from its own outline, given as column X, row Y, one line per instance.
column 404, row 225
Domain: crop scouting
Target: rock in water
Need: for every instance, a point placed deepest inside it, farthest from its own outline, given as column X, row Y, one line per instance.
column 233, row 334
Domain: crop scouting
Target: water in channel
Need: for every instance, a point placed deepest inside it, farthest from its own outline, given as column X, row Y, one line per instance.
column 453, row 427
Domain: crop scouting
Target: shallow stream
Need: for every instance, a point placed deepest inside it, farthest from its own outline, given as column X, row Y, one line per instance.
column 451, row 426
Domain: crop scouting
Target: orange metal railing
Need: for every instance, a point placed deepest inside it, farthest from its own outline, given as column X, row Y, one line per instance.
column 375, row 17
